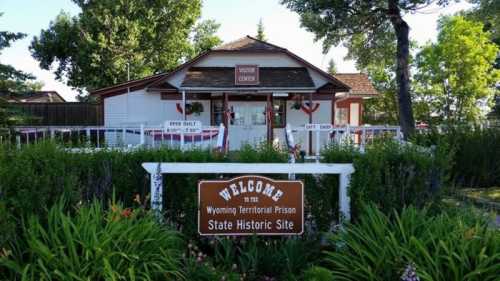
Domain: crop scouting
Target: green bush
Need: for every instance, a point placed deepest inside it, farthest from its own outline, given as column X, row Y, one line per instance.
column 264, row 258
column 476, row 157
column 448, row 246
column 392, row 175
column 94, row 244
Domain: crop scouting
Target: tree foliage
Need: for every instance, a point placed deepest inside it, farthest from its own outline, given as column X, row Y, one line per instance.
column 332, row 67
column 204, row 37
column 95, row 48
column 337, row 21
column 379, row 63
column 488, row 12
column 260, row 31
column 456, row 73
column 11, row 79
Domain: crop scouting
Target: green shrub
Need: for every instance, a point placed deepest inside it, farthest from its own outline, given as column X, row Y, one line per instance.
column 391, row 175
column 448, row 246
column 476, row 157
column 258, row 258
column 94, row 244
column 262, row 153
column 317, row 273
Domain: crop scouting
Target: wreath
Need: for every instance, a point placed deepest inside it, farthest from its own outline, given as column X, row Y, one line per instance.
column 306, row 107
column 194, row 107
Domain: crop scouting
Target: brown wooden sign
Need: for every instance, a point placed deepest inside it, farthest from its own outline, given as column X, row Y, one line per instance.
column 246, row 75
column 249, row 205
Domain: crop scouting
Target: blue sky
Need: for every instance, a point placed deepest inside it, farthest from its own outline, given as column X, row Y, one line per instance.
column 237, row 18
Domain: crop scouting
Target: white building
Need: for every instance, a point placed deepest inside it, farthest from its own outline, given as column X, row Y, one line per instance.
column 252, row 87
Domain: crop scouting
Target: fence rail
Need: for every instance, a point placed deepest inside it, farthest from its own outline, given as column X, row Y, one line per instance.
column 209, row 137
column 118, row 137
column 325, row 134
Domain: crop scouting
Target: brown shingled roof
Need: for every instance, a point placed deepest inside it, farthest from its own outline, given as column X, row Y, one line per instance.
column 245, row 44
column 270, row 77
column 359, row 82
column 248, row 43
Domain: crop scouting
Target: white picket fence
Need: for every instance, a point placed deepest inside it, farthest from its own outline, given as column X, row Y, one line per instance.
column 206, row 137
column 209, row 137
column 325, row 134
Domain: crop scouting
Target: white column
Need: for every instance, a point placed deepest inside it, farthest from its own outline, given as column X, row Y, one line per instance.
column 142, row 135
column 183, row 105
column 344, row 200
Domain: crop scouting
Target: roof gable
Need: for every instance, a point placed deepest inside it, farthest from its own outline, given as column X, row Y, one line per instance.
column 245, row 44
column 249, row 43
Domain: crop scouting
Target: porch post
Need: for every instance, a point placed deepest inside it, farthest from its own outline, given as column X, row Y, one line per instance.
column 333, row 108
column 269, row 117
column 226, row 120
column 310, row 121
column 184, row 105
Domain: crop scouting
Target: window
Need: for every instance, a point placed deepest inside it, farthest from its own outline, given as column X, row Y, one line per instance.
column 217, row 112
column 341, row 116
column 279, row 113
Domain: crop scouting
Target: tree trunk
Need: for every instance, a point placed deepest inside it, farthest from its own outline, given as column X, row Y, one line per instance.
column 402, row 29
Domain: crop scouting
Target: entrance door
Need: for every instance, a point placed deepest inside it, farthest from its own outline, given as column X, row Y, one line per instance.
column 248, row 124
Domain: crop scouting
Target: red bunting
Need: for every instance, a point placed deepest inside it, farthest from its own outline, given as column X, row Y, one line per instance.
column 308, row 109
column 179, row 109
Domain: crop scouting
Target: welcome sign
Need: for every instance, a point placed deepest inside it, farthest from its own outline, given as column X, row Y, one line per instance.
column 249, row 205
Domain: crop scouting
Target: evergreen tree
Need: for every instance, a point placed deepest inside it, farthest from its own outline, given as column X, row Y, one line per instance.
column 332, row 68
column 260, row 31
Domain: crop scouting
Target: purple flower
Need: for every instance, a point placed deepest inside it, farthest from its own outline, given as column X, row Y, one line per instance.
column 410, row 274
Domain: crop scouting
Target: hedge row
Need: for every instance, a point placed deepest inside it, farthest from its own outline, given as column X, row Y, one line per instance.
column 33, row 178
column 475, row 160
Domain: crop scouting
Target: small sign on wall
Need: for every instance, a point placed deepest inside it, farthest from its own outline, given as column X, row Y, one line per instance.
column 318, row 127
column 182, row 126
column 250, row 205
column 246, row 75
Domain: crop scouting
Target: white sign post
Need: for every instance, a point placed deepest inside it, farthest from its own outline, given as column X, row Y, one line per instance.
column 343, row 170
column 318, row 128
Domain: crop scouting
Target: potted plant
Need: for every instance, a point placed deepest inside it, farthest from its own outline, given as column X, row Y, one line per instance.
column 297, row 104
column 196, row 108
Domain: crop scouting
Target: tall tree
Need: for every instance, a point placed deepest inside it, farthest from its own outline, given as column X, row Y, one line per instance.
column 456, row 73
column 488, row 12
column 378, row 61
column 204, row 37
column 336, row 21
column 93, row 49
column 260, row 31
column 11, row 79
column 332, row 67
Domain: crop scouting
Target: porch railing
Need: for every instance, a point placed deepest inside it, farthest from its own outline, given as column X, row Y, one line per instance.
column 359, row 136
column 210, row 137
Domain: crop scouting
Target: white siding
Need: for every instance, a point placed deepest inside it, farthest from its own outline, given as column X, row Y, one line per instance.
column 141, row 107
column 263, row 60
column 115, row 110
